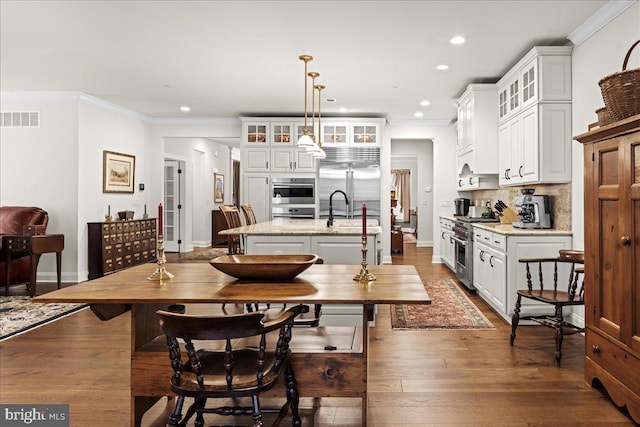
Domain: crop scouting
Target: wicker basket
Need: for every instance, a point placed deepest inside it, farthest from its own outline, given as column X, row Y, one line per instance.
column 604, row 117
column 621, row 90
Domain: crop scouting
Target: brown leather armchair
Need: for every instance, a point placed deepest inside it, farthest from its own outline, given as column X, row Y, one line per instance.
column 12, row 222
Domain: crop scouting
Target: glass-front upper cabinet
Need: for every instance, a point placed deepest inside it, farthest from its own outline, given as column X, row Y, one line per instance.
column 502, row 104
column 514, row 95
column 335, row 134
column 509, row 97
column 529, row 85
column 282, row 134
column 256, row 133
column 365, row 134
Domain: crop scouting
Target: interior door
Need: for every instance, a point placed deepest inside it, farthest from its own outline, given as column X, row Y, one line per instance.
column 172, row 205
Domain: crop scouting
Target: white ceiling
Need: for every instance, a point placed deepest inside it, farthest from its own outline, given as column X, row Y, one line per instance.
column 235, row 58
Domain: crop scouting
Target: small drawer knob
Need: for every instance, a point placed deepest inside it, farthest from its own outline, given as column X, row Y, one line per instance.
column 626, row 240
column 595, row 349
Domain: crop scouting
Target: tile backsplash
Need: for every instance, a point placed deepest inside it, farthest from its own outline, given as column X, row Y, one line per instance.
column 560, row 200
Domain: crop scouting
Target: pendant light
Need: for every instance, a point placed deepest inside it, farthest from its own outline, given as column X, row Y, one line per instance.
column 305, row 140
column 313, row 149
column 321, row 154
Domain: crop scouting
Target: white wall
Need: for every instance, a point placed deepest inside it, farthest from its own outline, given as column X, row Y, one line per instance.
column 597, row 57
column 103, row 126
column 39, row 167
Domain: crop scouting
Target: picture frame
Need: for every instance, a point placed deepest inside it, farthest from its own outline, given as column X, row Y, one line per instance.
column 118, row 172
column 218, row 188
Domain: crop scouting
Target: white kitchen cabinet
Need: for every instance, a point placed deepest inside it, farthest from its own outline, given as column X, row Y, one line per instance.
column 447, row 245
column 282, row 134
column 256, row 159
column 535, row 146
column 288, row 159
column 279, row 245
column 365, row 134
column 542, row 75
column 344, row 249
column 490, row 273
column 334, row 134
column 477, row 148
column 255, row 133
column 497, row 273
column 534, row 115
column 353, row 133
column 255, row 192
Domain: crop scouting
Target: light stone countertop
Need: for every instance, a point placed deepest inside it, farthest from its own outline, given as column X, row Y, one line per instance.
column 302, row 227
column 510, row 230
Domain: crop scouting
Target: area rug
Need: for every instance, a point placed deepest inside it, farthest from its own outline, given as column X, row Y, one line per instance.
column 450, row 308
column 408, row 238
column 18, row 314
column 203, row 255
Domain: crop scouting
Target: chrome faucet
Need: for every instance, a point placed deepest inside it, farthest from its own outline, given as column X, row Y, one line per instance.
column 346, row 199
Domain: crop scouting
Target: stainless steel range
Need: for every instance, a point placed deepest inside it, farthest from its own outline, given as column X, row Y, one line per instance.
column 463, row 238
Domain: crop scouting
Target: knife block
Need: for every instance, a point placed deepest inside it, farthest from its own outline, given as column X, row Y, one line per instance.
column 509, row 216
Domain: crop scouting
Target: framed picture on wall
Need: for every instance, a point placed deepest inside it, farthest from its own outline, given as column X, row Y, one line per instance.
column 218, row 188
column 118, row 172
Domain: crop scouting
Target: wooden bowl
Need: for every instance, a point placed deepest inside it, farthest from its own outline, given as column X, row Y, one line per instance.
column 264, row 267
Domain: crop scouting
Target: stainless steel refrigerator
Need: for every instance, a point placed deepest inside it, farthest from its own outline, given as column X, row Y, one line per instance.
column 356, row 171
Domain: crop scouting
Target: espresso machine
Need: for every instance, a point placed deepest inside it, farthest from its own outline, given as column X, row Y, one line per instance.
column 534, row 211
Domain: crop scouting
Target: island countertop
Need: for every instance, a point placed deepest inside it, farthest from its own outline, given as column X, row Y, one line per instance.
column 306, row 227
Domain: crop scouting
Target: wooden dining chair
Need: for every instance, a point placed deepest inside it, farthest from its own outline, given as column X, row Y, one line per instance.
column 249, row 215
column 232, row 218
column 229, row 357
column 573, row 295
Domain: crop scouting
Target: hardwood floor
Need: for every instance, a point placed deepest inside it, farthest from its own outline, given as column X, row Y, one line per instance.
column 416, row 378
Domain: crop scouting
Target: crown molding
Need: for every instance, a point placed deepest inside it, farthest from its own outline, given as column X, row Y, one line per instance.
column 602, row 17
column 195, row 121
column 421, row 123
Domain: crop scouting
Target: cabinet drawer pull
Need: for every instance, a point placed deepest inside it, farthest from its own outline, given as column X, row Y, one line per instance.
column 626, row 241
column 595, row 349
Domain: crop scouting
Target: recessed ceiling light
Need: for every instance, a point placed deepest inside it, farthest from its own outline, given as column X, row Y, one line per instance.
column 425, row 103
column 185, row 108
column 343, row 110
column 457, row 40
column 418, row 114
column 442, row 67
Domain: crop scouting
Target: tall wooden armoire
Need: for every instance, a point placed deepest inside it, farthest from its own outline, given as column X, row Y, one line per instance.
column 612, row 260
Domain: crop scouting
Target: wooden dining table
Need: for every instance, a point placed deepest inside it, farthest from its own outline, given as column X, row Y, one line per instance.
column 320, row 372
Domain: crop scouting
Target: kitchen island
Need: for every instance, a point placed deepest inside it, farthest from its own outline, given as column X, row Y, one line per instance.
column 320, row 372
column 338, row 244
